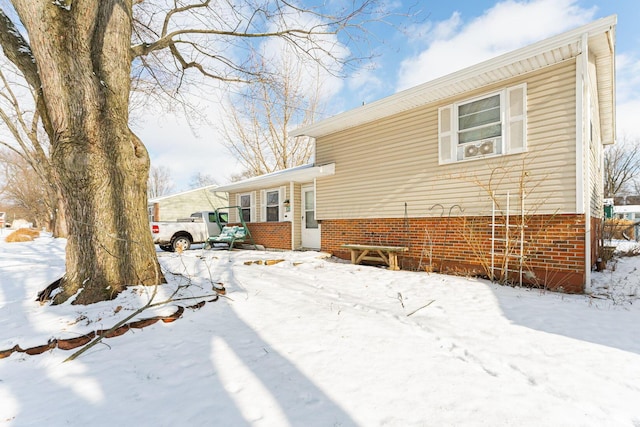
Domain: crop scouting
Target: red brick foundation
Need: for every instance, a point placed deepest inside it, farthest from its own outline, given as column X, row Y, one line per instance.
column 272, row 235
column 554, row 251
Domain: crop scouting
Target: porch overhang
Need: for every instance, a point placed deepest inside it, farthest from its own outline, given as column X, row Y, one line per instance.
column 298, row 174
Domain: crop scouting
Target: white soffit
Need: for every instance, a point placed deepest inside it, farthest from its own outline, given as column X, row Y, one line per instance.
column 536, row 56
column 301, row 174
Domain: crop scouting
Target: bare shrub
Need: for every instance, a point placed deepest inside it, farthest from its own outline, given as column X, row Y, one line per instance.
column 619, row 229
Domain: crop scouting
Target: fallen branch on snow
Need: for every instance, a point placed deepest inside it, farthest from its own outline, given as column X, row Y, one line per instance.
column 417, row 309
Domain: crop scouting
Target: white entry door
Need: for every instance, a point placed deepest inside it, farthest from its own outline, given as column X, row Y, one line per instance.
column 310, row 227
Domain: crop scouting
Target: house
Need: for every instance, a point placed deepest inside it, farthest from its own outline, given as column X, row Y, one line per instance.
column 626, row 214
column 183, row 204
column 496, row 169
column 279, row 207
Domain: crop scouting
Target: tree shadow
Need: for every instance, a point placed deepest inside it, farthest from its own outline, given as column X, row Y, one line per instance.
column 572, row 316
column 208, row 368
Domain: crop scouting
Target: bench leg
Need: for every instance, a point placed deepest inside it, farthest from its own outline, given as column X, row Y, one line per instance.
column 383, row 258
column 354, row 256
column 393, row 261
column 361, row 256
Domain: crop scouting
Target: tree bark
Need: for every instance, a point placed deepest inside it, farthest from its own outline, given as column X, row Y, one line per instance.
column 82, row 52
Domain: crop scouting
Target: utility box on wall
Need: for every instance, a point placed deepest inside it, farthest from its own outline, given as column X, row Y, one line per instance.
column 608, row 208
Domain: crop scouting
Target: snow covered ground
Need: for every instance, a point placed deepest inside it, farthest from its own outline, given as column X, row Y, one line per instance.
column 314, row 342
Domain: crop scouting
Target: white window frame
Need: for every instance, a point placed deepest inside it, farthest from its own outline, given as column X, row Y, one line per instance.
column 513, row 132
column 281, row 193
column 252, row 202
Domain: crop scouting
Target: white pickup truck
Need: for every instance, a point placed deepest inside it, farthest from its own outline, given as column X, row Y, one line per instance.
column 181, row 234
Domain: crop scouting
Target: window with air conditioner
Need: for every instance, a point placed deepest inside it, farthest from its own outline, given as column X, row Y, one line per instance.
column 490, row 125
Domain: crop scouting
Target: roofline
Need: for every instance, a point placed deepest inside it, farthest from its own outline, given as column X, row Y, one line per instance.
column 160, row 198
column 304, row 173
column 373, row 110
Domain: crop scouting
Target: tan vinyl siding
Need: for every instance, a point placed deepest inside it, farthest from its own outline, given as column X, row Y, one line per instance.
column 595, row 184
column 258, row 203
column 233, row 213
column 184, row 204
column 234, row 200
column 383, row 165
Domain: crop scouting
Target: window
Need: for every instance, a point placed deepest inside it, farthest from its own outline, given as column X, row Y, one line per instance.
column 479, row 120
column 270, row 204
column 273, row 205
column 490, row 125
column 310, row 210
column 245, row 206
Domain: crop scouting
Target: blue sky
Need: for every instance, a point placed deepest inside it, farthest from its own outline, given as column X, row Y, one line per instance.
column 444, row 37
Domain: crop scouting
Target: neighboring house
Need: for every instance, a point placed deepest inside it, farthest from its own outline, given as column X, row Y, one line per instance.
column 626, row 200
column 181, row 205
column 430, row 168
column 631, row 214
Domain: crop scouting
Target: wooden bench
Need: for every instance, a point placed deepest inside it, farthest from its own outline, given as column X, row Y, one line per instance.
column 386, row 254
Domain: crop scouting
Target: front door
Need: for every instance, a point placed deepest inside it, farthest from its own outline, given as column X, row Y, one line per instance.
column 310, row 227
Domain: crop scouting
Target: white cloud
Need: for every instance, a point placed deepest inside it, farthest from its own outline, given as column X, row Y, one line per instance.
column 188, row 146
column 628, row 96
column 506, row 26
column 365, row 83
column 446, row 29
column 628, row 77
column 628, row 125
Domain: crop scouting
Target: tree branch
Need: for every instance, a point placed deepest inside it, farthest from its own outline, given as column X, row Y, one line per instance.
column 17, row 50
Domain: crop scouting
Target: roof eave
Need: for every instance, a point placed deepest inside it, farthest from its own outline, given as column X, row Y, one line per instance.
column 394, row 104
column 306, row 173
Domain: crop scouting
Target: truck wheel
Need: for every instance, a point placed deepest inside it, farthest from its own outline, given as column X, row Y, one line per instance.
column 166, row 248
column 180, row 243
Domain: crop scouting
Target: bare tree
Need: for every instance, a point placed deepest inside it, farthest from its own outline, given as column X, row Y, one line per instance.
column 202, row 180
column 260, row 118
column 78, row 58
column 159, row 182
column 621, row 167
column 23, row 189
column 26, row 145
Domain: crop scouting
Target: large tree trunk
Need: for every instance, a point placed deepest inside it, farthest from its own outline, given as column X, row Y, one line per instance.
column 59, row 221
column 82, row 52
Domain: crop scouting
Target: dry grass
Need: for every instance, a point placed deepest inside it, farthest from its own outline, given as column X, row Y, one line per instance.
column 22, row 235
column 619, row 229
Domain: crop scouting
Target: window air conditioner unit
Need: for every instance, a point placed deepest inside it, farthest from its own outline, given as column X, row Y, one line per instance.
column 471, row 150
column 482, row 148
column 488, row 147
